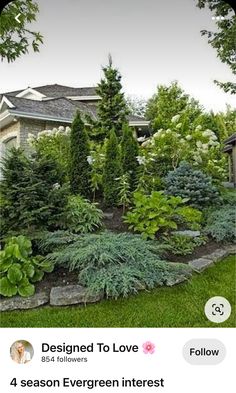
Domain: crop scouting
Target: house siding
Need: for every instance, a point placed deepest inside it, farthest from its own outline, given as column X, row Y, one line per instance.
column 28, row 126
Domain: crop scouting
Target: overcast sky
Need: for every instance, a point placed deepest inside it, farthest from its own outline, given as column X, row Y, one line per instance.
column 151, row 41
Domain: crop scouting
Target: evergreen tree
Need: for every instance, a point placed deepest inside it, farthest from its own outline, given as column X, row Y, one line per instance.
column 32, row 194
column 80, row 172
column 129, row 153
column 112, row 108
column 112, row 171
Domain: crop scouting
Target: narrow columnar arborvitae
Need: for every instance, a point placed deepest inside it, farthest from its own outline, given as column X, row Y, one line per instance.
column 80, row 171
column 112, row 171
column 129, row 153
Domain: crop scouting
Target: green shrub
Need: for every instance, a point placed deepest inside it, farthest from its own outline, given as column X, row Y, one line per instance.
column 220, row 224
column 187, row 182
column 129, row 153
column 111, row 171
column 79, row 171
column 158, row 212
column 33, row 194
column 183, row 244
column 115, row 264
column 228, row 197
column 83, row 216
column 19, row 270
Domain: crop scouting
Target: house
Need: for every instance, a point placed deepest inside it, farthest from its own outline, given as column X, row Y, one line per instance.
column 230, row 149
column 44, row 107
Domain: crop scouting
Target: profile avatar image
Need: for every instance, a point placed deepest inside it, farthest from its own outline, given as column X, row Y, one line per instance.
column 21, row 352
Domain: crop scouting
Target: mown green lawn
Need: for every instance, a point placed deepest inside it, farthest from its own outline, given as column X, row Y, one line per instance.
column 179, row 306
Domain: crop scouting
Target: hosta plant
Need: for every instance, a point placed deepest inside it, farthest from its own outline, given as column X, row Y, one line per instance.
column 113, row 264
column 19, row 270
column 159, row 213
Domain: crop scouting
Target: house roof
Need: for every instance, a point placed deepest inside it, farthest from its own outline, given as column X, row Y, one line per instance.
column 59, row 91
column 56, row 108
column 60, row 108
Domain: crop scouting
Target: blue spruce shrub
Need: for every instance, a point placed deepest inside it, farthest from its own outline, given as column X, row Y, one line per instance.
column 192, row 184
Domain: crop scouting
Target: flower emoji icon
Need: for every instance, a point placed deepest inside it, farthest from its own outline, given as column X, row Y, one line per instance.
column 148, row 347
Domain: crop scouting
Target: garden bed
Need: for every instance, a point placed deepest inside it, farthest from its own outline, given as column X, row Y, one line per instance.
column 179, row 306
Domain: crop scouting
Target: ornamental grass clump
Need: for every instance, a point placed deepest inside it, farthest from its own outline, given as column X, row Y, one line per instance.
column 114, row 264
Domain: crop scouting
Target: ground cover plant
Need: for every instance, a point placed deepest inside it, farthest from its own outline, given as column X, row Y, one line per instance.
column 179, row 306
column 113, row 264
column 220, row 224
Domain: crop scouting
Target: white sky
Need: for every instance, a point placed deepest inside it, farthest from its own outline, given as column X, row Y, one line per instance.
column 151, row 41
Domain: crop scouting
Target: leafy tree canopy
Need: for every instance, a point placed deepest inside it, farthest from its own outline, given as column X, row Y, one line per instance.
column 15, row 37
column 169, row 101
column 224, row 39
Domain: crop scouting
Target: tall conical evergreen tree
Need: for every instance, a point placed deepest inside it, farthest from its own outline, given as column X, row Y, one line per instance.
column 79, row 172
column 129, row 153
column 112, row 108
column 112, row 171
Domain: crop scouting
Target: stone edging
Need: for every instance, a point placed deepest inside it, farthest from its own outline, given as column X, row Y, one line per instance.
column 76, row 294
column 200, row 264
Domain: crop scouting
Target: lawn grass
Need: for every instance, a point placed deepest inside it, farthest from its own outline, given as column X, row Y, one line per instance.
column 179, row 306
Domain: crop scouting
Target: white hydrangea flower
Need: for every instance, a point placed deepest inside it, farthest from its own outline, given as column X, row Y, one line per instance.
column 199, row 144
column 61, row 128
column 198, row 159
column 214, row 137
column 189, row 137
column 175, row 118
column 158, row 133
column 146, row 143
column 43, row 133
column 179, row 125
column 141, row 160
column 90, row 160
column 205, row 146
column 198, row 128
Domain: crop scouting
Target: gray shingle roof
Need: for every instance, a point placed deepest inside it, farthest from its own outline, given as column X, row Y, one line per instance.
column 57, row 108
column 59, row 91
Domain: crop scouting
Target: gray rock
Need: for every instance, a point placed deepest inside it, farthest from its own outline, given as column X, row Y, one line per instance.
column 24, row 303
column 187, row 233
column 108, row 216
column 71, row 294
column 200, row 264
column 231, row 249
column 175, row 281
column 217, row 255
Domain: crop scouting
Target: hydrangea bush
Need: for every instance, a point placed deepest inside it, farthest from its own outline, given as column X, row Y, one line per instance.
column 167, row 148
column 54, row 143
